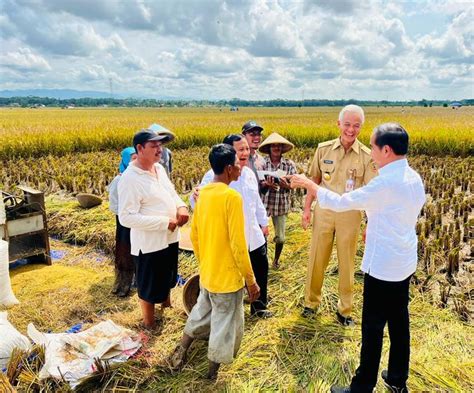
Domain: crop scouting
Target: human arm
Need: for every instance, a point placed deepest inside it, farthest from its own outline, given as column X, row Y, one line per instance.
column 195, row 235
column 365, row 198
column 315, row 173
column 182, row 215
column 309, row 198
column 207, row 178
column 129, row 196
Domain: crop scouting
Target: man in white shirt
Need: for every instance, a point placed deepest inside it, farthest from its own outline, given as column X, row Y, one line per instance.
column 392, row 201
column 255, row 217
column 150, row 206
column 253, row 134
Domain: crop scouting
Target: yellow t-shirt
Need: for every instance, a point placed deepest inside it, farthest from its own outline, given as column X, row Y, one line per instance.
column 217, row 233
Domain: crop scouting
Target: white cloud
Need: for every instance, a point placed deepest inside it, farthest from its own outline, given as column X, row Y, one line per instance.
column 24, row 60
column 456, row 45
column 223, row 48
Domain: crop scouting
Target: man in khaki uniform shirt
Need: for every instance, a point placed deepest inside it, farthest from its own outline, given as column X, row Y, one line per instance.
column 335, row 162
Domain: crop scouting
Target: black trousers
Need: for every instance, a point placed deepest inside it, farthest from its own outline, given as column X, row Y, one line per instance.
column 259, row 260
column 384, row 302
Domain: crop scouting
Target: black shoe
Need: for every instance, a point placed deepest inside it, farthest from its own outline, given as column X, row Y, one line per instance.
column 340, row 389
column 263, row 314
column 393, row 388
column 345, row 321
column 308, row 312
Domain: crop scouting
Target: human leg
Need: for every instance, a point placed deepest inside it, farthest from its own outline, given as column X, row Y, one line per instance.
column 347, row 233
column 123, row 261
column 399, row 332
column 279, row 224
column 227, row 326
column 259, row 261
column 173, row 252
column 373, row 323
column 319, row 254
column 197, row 326
column 153, row 282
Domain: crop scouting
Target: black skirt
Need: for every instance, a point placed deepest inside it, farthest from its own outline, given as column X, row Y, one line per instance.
column 157, row 273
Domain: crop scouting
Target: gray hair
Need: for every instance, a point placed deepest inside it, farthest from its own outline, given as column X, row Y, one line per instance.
column 352, row 108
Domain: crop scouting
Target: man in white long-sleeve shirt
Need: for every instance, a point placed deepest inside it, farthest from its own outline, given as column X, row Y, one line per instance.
column 150, row 206
column 392, row 201
column 255, row 218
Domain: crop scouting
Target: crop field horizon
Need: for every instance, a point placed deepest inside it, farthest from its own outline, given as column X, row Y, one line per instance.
column 38, row 132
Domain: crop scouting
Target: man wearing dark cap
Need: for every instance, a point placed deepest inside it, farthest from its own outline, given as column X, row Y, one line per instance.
column 253, row 133
column 150, row 206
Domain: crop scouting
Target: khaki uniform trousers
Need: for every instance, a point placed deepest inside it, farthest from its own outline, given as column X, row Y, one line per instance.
column 345, row 226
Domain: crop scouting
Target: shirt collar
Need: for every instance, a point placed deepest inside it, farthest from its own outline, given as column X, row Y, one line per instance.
column 393, row 166
column 141, row 171
column 355, row 146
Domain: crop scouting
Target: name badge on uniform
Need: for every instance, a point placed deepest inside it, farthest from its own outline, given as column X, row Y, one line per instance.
column 328, row 161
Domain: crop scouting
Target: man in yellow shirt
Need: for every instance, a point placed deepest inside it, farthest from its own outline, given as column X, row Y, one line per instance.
column 217, row 233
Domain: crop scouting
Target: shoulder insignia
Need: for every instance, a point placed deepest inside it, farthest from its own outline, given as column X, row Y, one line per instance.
column 364, row 148
column 373, row 166
column 327, row 143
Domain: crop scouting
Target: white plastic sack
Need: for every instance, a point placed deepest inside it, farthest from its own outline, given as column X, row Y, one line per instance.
column 10, row 338
column 72, row 355
column 7, row 298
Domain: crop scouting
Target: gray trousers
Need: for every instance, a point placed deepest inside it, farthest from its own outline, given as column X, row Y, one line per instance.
column 219, row 317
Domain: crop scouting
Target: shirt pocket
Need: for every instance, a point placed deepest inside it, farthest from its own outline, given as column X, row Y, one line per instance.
column 359, row 175
column 327, row 169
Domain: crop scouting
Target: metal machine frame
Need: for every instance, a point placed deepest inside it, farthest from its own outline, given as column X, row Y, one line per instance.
column 26, row 229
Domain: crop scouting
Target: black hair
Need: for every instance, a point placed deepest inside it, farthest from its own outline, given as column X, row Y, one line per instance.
column 231, row 138
column 393, row 135
column 220, row 156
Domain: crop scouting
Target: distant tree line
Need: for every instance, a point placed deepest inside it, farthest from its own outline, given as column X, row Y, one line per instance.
column 35, row 102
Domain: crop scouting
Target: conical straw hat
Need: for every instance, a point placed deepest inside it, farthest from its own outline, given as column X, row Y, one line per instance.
column 275, row 138
column 160, row 130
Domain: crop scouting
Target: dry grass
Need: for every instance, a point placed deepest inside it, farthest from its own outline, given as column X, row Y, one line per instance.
column 286, row 352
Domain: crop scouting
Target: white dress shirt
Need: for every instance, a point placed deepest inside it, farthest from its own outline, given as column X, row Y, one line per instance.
column 146, row 204
column 392, row 201
column 255, row 214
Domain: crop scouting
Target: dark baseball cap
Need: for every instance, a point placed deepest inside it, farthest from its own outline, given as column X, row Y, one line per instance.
column 146, row 135
column 251, row 126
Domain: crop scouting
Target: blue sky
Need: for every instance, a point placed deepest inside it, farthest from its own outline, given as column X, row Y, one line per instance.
column 252, row 49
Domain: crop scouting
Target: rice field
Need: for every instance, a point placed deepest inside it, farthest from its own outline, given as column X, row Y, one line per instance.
column 38, row 132
column 64, row 152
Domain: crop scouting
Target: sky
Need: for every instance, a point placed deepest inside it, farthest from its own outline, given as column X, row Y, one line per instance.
column 258, row 49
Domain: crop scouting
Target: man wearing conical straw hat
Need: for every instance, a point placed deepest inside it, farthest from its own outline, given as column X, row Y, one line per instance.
column 340, row 165
column 276, row 190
